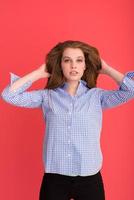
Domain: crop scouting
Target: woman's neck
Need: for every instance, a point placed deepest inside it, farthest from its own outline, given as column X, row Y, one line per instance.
column 72, row 87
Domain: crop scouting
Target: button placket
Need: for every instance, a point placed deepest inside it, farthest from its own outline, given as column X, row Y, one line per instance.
column 70, row 110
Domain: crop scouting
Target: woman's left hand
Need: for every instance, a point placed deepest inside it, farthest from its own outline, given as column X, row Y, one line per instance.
column 104, row 68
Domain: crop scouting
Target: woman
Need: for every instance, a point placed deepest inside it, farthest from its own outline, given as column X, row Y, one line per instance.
column 72, row 106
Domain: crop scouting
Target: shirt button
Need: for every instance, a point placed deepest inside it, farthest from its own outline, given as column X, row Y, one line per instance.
column 69, row 155
column 69, row 112
column 68, row 141
column 69, row 127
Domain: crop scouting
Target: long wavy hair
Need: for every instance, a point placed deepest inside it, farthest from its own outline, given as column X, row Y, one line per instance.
column 53, row 63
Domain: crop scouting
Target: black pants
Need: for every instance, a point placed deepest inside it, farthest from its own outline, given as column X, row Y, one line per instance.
column 62, row 187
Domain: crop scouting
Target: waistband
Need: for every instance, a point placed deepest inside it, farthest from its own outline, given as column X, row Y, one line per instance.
column 78, row 177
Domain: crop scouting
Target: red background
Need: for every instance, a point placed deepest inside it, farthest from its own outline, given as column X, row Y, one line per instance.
column 29, row 29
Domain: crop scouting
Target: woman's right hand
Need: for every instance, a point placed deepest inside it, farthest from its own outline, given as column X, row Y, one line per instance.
column 43, row 71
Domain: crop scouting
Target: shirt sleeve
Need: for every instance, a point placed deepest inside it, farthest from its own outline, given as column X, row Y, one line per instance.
column 125, row 92
column 22, row 98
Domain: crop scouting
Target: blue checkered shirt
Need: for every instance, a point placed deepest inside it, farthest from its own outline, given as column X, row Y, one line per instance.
column 73, row 123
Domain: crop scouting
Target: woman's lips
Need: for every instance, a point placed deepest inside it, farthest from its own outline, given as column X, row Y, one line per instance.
column 73, row 72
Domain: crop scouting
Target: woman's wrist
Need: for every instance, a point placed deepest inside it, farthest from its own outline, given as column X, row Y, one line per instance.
column 38, row 74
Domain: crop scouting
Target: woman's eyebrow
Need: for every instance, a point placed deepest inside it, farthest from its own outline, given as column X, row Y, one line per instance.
column 70, row 57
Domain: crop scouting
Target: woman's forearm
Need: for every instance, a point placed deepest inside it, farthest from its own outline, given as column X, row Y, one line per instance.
column 33, row 76
column 113, row 73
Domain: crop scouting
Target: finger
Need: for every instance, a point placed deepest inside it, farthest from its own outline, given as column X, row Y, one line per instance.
column 102, row 60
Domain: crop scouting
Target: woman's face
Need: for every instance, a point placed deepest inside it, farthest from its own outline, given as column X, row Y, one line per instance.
column 73, row 64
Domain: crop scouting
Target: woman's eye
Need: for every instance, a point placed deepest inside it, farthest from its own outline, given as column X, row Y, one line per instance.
column 79, row 60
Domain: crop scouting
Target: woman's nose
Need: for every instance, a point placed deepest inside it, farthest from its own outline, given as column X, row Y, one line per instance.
column 73, row 65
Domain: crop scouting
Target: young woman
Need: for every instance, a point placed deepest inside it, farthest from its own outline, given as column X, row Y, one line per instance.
column 72, row 106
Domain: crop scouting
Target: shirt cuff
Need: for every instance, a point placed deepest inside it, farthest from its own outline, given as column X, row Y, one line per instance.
column 13, row 78
column 128, row 81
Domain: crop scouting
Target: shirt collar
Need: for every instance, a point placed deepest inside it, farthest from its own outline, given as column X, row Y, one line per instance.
column 82, row 87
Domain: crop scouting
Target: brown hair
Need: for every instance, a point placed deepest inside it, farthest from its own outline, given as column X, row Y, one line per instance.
column 53, row 63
